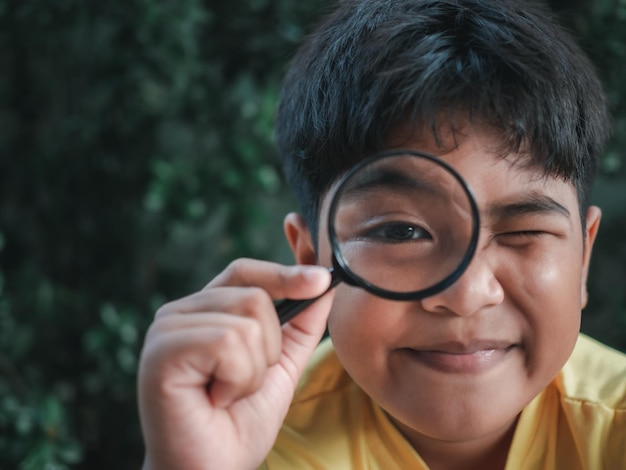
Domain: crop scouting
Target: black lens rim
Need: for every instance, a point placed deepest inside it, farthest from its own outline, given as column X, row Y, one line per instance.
column 340, row 265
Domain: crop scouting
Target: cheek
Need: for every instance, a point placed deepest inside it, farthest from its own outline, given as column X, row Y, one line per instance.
column 546, row 292
column 361, row 326
column 546, row 276
column 555, row 286
column 350, row 319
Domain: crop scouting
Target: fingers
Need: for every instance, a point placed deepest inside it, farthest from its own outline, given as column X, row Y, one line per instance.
column 248, row 288
column 182, row 352
column 228, row 335
column 294, row 282
column 218, row 363
column 253, row 303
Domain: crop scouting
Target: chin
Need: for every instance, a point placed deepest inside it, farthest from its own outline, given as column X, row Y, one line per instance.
column 466, row 427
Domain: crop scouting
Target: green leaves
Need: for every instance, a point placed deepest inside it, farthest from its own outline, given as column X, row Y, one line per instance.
column 40, row 431
column 137, row 159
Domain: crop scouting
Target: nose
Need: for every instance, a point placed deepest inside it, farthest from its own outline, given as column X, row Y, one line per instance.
column 476, row 289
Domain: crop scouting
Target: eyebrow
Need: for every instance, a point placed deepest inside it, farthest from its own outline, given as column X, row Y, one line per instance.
column 531, row 204
column 389, row 179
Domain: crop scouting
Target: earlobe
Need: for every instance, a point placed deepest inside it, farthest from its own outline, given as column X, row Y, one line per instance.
column 299, row 238
column 593, row 217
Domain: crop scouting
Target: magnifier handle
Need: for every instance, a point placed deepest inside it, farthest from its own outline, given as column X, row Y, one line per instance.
column 289, row 308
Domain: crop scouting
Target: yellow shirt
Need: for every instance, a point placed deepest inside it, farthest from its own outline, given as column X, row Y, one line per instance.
column 577, row 422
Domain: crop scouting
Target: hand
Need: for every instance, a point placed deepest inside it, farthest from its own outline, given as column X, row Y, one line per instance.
column 217, row 372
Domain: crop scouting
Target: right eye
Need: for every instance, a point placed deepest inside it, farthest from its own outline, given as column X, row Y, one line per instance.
column 397, row 232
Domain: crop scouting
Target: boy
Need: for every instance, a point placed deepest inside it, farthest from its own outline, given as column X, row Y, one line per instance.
column 490, row 373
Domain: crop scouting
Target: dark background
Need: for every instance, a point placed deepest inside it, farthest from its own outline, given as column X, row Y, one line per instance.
column 136, row 160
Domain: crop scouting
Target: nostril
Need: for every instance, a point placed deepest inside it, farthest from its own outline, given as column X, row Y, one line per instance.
column 477, row 289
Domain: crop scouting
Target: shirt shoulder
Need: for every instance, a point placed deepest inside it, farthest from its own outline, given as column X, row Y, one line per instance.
column 323, row 375
column 592, row 389
column 595, row 373
column 579, row 420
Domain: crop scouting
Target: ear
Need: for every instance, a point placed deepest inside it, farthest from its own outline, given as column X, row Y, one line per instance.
column 593, row 223
column 299, row 238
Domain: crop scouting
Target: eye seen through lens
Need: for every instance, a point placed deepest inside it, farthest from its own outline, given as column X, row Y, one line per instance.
column 403, row 224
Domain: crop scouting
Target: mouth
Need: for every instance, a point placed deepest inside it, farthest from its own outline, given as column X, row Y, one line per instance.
column 456, row 358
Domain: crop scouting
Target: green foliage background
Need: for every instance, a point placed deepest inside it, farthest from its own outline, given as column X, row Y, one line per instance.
column 136, row 160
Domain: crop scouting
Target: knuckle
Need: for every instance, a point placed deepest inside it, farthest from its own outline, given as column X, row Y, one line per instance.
column 252, row 332
column 241, row 349
column 165, row 310
column 227, row 340
column 255, row 300
column 248, row 332
column 237, row 268
column 285, row 275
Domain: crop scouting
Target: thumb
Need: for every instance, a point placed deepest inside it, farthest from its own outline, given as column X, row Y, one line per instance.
column 302, row 334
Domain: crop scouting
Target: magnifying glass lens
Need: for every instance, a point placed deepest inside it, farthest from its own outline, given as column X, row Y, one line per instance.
column 401, row 224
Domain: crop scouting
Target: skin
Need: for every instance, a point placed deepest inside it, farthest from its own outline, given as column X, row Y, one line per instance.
column 452, row 371
column 217, row 373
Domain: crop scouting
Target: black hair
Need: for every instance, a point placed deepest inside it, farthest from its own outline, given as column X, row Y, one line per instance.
column 373, row 66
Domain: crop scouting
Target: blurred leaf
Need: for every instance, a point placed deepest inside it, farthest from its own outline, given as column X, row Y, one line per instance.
column 137, row 160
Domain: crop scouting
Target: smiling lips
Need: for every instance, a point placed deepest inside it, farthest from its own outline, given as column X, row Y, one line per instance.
column 456, row 358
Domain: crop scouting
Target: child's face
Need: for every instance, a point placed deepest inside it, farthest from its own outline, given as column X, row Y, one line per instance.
column 463, row 364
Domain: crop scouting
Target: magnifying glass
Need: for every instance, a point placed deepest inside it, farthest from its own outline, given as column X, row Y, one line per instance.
column 402, row 225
